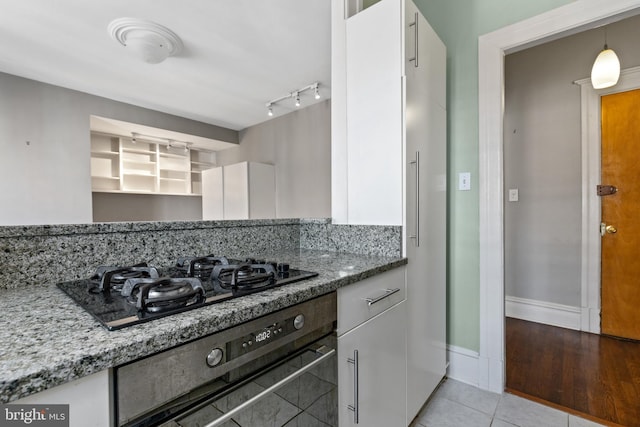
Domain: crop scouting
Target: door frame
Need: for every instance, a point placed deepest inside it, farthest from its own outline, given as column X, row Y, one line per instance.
column 591, row 203
column 572, row 18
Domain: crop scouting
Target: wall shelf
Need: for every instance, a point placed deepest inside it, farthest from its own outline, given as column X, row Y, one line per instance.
column 118, row 165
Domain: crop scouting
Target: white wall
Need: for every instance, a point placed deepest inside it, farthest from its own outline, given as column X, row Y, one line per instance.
column 47, row 179
column 542, row 159
column 299, row 145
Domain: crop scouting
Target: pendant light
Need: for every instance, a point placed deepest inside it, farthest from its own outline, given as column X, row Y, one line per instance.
column 606, row 69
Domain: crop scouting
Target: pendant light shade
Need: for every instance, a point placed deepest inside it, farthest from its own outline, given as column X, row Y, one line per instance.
column 606, row 70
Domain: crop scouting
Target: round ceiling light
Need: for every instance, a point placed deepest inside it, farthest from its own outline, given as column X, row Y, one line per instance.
column 152, row 42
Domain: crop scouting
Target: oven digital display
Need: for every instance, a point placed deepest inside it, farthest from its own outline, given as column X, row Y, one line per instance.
column 264, row 335
column 267, row 334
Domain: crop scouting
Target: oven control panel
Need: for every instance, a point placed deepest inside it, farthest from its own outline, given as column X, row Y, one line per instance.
column 263, row 336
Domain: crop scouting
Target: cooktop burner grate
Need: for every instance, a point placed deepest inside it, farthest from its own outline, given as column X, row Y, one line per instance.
column 123, row 296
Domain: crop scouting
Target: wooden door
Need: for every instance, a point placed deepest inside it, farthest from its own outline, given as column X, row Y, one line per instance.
column 621, row 210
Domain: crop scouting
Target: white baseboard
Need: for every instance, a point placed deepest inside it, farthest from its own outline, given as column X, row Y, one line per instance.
column 564, row 316
column 463, row 365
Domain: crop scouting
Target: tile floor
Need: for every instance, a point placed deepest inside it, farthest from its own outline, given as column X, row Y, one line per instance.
column 460, row 405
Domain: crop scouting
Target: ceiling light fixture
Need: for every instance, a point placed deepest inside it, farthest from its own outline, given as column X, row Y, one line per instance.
column 295, row 95
column 152, row 42
column 606, row 68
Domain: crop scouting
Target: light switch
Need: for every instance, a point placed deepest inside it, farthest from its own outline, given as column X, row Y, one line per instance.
column 513, row 194
column 464, row 181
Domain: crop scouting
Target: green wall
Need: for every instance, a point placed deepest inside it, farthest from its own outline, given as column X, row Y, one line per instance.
column 459, row 23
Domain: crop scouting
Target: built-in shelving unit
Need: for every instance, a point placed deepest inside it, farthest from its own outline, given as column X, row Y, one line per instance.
column 120, row 165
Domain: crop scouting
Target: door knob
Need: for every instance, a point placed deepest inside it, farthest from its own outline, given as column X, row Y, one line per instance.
column 607, row 229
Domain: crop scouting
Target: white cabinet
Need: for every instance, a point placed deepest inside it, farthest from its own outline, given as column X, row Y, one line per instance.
column 426, row 215
column 88, row 399
column 390, row 84
column 118, row 164
column 372, row 352
column 245, row 190
column 374, row 68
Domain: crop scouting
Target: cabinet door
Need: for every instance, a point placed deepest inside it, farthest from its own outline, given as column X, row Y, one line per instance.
column 212, row 194
column 374, row 113
column 426, row 212
column 88, row 399
column 236, row 191
column 380, row 345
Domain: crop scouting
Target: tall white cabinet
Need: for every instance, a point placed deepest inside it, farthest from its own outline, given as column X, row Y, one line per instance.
column 245, row 190
column 389, row 127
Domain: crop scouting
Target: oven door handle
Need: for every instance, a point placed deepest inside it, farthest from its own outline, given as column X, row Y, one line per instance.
column 326, row 352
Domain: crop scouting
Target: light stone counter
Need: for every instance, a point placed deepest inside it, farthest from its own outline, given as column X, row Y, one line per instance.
column 47, row 340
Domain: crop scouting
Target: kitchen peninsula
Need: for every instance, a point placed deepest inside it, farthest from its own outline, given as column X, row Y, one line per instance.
column 48, row 340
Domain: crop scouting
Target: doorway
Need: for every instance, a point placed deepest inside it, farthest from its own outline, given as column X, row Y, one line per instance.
column 492, row 47
column 573, row 362
column 591, row 149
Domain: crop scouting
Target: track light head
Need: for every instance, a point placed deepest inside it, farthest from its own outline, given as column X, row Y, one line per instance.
column 297, row 95
column 316, row 91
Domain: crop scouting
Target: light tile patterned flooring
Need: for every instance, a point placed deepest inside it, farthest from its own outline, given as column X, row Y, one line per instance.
column 457, row 404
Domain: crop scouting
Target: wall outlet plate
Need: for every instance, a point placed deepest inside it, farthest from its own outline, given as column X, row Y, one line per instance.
column 513, row 194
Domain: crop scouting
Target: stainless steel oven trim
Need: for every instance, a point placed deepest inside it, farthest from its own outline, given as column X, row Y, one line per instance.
column 326, row 354
column 129, row 386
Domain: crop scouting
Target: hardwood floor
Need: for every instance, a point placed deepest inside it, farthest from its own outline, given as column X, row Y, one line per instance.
column 590, row 374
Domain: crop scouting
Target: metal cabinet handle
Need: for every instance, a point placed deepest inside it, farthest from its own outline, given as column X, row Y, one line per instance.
column 415, row 55
column 355, row 408
column 416, row 235
column 326, row 354
column 387, row 293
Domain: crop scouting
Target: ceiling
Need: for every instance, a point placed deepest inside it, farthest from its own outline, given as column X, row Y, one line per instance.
column 238, row 54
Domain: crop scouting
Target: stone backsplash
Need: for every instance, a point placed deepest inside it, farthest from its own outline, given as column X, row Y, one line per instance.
column 44, row 254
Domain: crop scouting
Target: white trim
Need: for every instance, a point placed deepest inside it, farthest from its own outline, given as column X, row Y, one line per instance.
column 548, row 313
column 591, row 251
column 570, row 18
column 463, row 365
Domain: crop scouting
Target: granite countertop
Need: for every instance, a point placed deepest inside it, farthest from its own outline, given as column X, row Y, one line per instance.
column 47, row 340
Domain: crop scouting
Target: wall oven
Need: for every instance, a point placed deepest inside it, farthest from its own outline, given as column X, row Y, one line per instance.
column 277, row 370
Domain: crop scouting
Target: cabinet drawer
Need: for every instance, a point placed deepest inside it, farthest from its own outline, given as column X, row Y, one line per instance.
column 365, row 299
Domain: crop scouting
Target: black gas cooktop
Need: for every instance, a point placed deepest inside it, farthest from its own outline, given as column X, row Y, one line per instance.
column 121, row 296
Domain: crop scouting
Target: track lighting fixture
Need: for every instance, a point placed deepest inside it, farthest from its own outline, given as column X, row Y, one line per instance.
column 170, row 143
column 295, row 95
